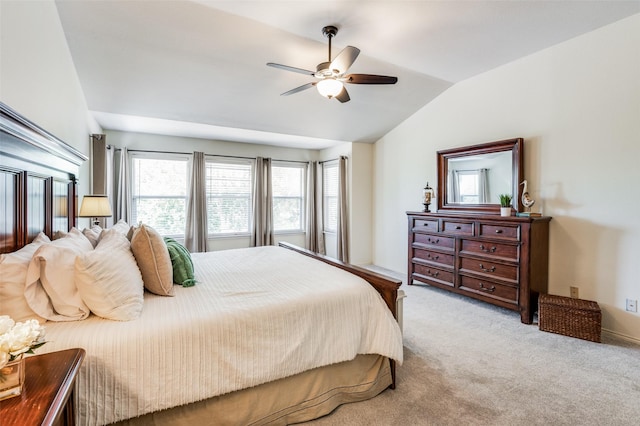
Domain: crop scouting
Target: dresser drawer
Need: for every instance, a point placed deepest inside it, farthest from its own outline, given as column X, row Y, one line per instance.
column 508, row 232
column 503, row 251
column 434, row 257
column 458, row 228
column 435, row 240
column 489, row 288
column 429, row 273
column 490, row 269
column 426, row 225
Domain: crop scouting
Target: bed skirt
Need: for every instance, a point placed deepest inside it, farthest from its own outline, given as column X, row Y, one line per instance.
column 294, row 399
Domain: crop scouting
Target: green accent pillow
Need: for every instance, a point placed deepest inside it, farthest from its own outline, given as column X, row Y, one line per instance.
column 181, row 262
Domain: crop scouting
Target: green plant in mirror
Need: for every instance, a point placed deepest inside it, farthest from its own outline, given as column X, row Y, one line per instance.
column 505, row 200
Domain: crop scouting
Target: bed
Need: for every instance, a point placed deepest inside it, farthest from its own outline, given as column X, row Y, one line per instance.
column 268, row 335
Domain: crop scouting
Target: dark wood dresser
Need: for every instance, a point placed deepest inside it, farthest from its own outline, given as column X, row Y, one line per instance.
column 500, row 260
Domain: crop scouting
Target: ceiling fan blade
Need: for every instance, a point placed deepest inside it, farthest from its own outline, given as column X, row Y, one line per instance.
column 345, row 59
column 292, row 69
column 369, row 79
column 299, row 89
column 343, row 96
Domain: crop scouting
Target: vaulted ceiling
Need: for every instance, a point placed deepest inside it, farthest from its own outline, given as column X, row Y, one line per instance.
column 198, row 68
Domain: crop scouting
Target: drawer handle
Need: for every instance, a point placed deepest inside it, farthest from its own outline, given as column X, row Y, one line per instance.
column 486, row 250
column 432, row 257
column 498, row 231
column 458, row 227
column 489, row 289
column 433, row 274
column 436, row 241
column 492, row 269
column 425, row 224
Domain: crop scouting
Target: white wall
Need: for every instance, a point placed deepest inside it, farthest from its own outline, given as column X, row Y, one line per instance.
column 38, row 78
column 578, row 107
column 360, row 202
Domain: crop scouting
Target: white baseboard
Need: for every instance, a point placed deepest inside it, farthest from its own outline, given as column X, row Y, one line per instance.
column 622, row 336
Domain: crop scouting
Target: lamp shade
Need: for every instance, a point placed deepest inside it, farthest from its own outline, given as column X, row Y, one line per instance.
column 95, row 206
column 329, row 87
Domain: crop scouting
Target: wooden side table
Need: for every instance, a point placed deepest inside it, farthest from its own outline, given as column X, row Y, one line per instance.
column 47, row 397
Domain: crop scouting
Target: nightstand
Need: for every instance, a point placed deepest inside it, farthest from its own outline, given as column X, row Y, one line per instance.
column 47, row 397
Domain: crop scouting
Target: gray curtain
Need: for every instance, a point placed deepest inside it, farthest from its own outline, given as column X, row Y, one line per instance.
column 342, row 234
column 102, row 172
column 122, row 207
column 453, row 187
column 483, row 186
column 110, row 183
column 314, row 237
column 195, row 233
column 117, row 184
column 262, row 233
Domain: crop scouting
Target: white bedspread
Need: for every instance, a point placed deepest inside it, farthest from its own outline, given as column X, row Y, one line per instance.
column 255, row 315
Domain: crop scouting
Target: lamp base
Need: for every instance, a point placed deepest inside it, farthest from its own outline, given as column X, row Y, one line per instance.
column 426, row 208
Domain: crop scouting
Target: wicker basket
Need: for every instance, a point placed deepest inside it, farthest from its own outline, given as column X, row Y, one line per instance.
column 570, row 317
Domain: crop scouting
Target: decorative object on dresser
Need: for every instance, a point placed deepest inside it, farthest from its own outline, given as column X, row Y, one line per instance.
column 500, row 260
column 505, row 204
column 571, row 317
column 527, row 201
column 427, row 196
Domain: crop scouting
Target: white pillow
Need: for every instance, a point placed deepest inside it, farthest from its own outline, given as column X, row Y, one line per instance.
column 92, row 234
column 109, row 280
column 50, row 287
column 121, row 226
column 13, row 273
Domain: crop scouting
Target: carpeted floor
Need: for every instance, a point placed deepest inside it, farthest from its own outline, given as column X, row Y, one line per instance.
column 470, row 363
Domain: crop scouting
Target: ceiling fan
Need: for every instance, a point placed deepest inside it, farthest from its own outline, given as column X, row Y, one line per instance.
column 331, row 74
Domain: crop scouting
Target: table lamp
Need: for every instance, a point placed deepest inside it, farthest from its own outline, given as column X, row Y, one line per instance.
column 95, row 206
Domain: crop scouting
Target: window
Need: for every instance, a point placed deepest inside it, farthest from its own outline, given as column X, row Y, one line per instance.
column 330, row 196
column 159, row 191
column 229, row 187
column 468, row 182
column 288, row 183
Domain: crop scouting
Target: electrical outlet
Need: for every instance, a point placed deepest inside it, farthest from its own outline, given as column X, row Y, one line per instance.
column 632, row 305
column 573, row 292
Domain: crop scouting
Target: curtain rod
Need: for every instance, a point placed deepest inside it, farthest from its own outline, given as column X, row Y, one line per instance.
column 213, row 155
column 328, row 161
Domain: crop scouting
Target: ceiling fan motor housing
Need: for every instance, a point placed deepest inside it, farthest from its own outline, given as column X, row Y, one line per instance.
column 324, row 70
column 330, row 31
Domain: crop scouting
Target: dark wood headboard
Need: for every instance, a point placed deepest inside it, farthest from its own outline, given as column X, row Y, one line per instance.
column 38, row 181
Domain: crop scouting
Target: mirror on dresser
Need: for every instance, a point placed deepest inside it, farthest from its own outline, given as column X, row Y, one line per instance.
column 471, row 178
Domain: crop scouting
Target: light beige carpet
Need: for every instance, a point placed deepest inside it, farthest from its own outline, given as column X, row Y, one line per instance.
column 470, row 363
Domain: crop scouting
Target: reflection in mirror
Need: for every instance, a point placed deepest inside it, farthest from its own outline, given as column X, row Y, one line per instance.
column 471, row 178
column 479, row 179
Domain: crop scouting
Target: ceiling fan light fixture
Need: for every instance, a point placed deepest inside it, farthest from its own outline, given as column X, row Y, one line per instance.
column 329, row 87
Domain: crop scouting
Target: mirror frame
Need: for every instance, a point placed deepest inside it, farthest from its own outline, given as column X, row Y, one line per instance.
column 515, row 146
